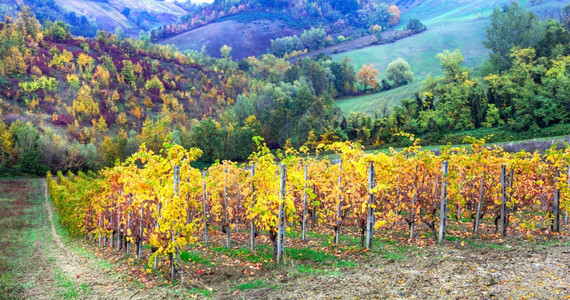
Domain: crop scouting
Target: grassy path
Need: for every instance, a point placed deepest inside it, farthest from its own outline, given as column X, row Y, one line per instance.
column 39, row 261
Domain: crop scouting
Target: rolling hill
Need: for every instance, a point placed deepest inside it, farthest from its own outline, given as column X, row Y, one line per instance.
column 142, row 14
column 87, row 16
column 247, row 38
column 452, row 24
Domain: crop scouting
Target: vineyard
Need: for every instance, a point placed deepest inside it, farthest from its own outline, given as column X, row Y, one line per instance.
column 159, row 202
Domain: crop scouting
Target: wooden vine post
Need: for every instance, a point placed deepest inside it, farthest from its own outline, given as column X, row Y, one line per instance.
column 304, row 236
column 556, row 206
column 443, row 206
column 205, row 207
column 414, row 201
column 141, row 232
column 566, row 213
column 252, row 224
column 175, row 255
column 370, row 218
column 480, row 203
column 227, row 213
column 281, row 215
column 119, row 221
column 339, row 208
column 127, row 244
column 100, row 235
column 504, row 200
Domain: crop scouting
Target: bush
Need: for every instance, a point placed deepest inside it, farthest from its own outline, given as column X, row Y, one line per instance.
column 415, row 26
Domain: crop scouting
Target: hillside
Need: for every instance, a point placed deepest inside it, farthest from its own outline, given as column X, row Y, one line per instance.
column 108, row 15
column 257, row 23
column 87, row 16
column 251, row 38
column 453, row 24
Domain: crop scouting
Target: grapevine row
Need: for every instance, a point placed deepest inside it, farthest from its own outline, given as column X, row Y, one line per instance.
column 160, row 200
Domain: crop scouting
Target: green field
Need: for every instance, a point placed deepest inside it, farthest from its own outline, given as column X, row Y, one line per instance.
column 452, row 24
column 369, row 104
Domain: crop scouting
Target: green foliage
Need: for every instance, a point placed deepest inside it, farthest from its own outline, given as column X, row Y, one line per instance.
column 314, row 39
column 400, row 72
column 225, row 51
column 378, row 14
column 415, row 26
column 128, row 71
column 57, row 30
column 42, row 83
column 515, row 27
column 284, row 45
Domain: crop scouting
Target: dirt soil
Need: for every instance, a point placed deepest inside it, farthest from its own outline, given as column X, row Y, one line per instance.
column 441, row 274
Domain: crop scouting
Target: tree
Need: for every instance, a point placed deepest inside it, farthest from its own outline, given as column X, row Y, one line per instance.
column 83, row 106
column 515, row 27
column 314, row 39
column 451, row 64
column 128, row 71
column 367, row 77
column 57, row 30
column 400, row 72
column 415, row 26
column 28, row 25
column 284, row 45
column 344, row 76
column 395, row 14
column 345, row 6
column 225, row 51
column 207, row 136
column 379, row 14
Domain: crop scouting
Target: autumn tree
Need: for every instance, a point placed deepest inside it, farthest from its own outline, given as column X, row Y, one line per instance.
column 28, row 25
column 395, row 14
column 84, row 107
column 367, row 77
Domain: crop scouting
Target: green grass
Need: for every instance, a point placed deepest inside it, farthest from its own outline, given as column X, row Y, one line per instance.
column 201, row 292
column 371, row 103
column 310, row 255
column 263, row 253
column 419, row 50
column 20, row 215
column 68, row 290
column 195, row 257
column 257, row 284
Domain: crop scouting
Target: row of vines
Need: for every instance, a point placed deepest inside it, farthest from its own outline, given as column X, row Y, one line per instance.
column 160, row 201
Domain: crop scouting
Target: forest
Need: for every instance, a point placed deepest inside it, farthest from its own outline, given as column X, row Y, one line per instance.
column 70, row 103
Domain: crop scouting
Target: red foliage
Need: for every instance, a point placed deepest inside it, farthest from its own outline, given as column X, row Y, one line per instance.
column 63, row 119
